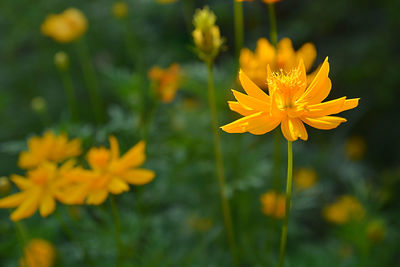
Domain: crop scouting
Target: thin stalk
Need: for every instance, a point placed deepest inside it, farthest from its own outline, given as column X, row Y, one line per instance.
column 273, row 33
column 117, row 232
column 226, row 212
column 22, row 240
column 70, row 93
column 287, row 207
column 239, row 28
column 89, row 76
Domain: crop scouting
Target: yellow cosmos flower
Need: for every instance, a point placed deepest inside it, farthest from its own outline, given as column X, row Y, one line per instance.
column 110, row 173
column 305, row 178
column 284, row 57
column 38, row 253
column 265, row 1
column 39, row 190
column 167, row 81
column 345, row 209
column 50, row 147
column 120, row 9
column 291, row 102
column 273, row 204
column 66, row 27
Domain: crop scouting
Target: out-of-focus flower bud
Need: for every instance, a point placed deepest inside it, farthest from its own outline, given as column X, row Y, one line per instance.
column 356, row 147
column 39, row 104
column 376, row 231
column 206, row 35
column 120, row 9
column 5, row 185
column 61, row 60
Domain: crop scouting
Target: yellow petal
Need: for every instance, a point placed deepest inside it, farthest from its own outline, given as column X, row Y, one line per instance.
column 251, row 102
column 21, row 182
column 326, row 108
column 117, row 186
column 252, row 89
column 239, row 108
column 134, row 157
column 47, row 205
column 240, row 125
column 324, row 123
column 97, row 197
column 320, row 87
column 139, row 176
column 13, row 200
column 114, row 147
column 265, row 51
column 293, row 128
column 308, row 53
column 27, row 207
column 262, row 125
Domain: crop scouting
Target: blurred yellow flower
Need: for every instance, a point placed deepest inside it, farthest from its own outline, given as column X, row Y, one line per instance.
column 273, row 204
column 305, row 178
column 166, row 1
column 110, row 173
column 39, row 190
column 66, row 27
column 355, row 147
column 291, row 102
column 120, row 9
column 50, row 147
column 345, row 209
column 38, row 253
column 206, row 35
column 284, row 57
column 265, row 1
column 167, row 81
column 5, row 185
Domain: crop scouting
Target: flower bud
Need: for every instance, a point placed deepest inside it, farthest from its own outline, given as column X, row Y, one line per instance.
column 38, row 104
column 61, row 60
column 376, row 231
column 5, row 185
column 120, row 9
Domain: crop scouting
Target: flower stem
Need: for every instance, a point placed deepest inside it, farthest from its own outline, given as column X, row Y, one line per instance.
column 287, row 205
column 22, row 239
column 70, row 93
column 89, row 76
column 272, row 24
column 220, row 165
column 239, row 28
column 117, row 232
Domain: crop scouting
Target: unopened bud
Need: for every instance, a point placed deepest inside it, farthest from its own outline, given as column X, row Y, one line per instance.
column 5, row 185
column 38, row 104
column 61, row 60
column 120, row 9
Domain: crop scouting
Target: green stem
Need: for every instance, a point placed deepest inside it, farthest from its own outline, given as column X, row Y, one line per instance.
column 70, row 93
column 89, row 76
column 220, row 166
column 272, row 24
column 22, row 239
column 239, row 28
column 287, row 205
column 117, row 232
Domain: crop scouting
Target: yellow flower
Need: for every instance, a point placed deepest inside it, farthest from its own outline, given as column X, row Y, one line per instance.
column 273, row 204
column 167, row 81
column 206, row 35
column 38, row 253
column 284, row 57
column 305, row 178
column 120, row 9
column 356, row 147
column 166, row 1
column 66, row 27
column 345, row 209
column 110, row 173
column 50, row 147
column 291, row 102
column 265, row 1
column 39, row 190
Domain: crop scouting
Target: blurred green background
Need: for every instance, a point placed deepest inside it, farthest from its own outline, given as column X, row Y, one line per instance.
column 175, row 220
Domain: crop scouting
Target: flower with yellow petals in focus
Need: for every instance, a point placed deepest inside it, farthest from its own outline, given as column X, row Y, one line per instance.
column 50, row 147
column 291, row 102
column 167, row 81
column 38, row 253
column 166, row 1
column 265, row 1
column 355, row 148
column 273, row 204
column 305, row 178
column 39, row 190
column 65, row 27
column 110, row 173
column 120, row 9
column 206, row 34
column 284, row 57
column 344, row 210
